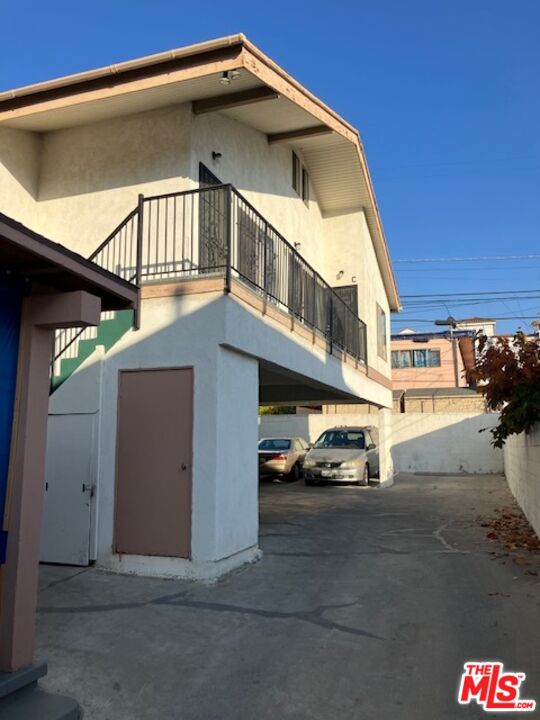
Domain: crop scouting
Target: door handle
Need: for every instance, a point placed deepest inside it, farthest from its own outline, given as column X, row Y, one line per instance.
column 89, row 489
column 183, row 466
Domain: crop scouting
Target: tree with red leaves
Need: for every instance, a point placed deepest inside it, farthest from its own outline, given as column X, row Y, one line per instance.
column 508, row 374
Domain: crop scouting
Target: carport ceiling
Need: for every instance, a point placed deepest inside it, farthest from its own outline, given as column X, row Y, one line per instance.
column 278, row 386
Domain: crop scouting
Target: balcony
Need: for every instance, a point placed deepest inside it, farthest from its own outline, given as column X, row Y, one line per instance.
column 215, row 232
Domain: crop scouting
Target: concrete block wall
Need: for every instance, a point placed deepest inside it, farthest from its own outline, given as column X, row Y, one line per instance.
column 522, row 470
column 439, row 404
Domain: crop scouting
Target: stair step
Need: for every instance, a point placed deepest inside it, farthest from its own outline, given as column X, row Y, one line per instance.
column 109, row 333
column 35, row 704
column 13, row 681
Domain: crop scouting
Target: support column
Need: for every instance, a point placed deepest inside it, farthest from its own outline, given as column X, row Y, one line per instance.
column 386, row 464
column 19, row 576
column 18, row 595
column 237, row 485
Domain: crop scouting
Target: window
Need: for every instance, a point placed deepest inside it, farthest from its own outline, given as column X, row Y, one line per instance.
column 305, row 185
column 369, row 440
column 381, row 332
column 401, row 359
column 296, row 174
column 275, row 444
column 300, row 178
column 416, row 358
column 343, row 439
column 427, row 358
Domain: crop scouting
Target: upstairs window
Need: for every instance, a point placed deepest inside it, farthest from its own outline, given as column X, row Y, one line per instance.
column 381, row 333
column 296, row 174
column 416, row 359
column 305, row 186
column 401, row 359
column 427, row 358
column 300, row 178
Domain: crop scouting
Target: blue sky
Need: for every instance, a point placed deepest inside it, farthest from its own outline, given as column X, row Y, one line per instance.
column 445, row 94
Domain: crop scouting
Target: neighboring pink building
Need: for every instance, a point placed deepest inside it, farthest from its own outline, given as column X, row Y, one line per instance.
column 430, row 360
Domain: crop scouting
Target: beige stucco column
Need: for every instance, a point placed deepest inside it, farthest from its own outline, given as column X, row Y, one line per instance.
column 41, row 314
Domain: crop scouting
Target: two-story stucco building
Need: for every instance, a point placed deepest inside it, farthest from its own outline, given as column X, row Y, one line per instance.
column 243, row 208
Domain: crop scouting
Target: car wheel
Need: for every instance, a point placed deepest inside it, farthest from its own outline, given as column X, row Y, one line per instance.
column 365, row 477
column 294, row 475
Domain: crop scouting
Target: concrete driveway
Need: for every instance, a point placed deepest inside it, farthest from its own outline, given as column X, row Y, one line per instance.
column 366, row 605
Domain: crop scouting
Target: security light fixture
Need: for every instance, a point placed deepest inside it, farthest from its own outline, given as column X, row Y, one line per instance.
column 297, row 245
column 216, row 155
column 340, row 274
column 228, row 76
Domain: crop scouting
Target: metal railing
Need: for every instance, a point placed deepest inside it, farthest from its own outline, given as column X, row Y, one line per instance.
column 118, row 253
column 216, row 231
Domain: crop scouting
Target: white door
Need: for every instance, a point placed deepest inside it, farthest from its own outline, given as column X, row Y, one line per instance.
column 69, row 485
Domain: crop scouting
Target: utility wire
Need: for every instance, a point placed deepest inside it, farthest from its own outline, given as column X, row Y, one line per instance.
column 444, row 295
column 430, row 321
column 530, row 256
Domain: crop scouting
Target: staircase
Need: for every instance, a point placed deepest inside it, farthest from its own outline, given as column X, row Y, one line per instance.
column 22, row 699
column 120, row 253
column 109, row 332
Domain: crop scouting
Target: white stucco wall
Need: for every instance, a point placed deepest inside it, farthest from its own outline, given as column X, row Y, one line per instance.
column 349, row 248
column 224, row 502
column 262, row 173
column 91, row 175
column 445, row 443
column 19, row 174
column 249, row 332
column 522, row 470
column 420, row 443
column 237, row 487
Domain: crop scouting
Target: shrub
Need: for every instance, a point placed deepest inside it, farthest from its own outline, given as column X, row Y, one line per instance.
column 507, row 372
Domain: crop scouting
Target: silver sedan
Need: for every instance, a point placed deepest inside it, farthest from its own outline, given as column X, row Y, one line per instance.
column 282, row 457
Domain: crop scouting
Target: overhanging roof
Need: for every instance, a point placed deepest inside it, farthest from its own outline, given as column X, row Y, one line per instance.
column 290, row 114
column 49, row 265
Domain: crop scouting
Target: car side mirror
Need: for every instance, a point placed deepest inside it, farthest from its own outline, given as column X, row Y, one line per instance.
column 371, row 446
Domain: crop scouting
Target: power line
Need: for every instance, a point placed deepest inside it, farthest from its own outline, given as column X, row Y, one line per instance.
column 531, row 256
column 482, row 268
column 430, row 321
column 443, row 296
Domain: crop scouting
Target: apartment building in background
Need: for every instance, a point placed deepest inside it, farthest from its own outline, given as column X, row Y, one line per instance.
column 429, row 371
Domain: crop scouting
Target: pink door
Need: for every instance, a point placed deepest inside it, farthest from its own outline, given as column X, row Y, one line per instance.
column 154, row 461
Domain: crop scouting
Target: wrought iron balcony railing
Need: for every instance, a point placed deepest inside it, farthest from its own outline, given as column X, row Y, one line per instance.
column 216, row 231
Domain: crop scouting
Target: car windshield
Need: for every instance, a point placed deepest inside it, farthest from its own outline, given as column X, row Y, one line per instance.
column 342, row 439
column 275, row 444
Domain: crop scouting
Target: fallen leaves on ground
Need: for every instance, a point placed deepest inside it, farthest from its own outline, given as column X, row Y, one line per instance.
column 510, row 528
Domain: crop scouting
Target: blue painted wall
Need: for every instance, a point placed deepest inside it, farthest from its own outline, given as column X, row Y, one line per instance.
column 10, row 315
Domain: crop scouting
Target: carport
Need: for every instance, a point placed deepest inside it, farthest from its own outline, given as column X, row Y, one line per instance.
column 281, row 387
